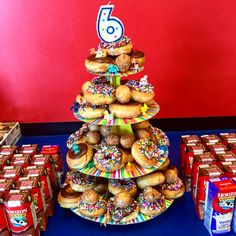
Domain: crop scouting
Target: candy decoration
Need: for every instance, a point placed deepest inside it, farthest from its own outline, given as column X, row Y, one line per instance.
column 76, row 148
column 144, row 109
column 112, row 69
column 109, row 29
column 108, row 116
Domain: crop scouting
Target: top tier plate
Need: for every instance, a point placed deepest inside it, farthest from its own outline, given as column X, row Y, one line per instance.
column 152, row 111
column 122, row 74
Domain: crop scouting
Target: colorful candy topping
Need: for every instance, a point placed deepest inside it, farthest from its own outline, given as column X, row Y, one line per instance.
column 80, row 179
column 85, row 104
column 148, row 148
column 125, row 184
column 77, row 135
column 160, row 136
column 107, row 156
column 101, row 80
column 137, row 86
column 175, row 186
column 103, row 89
column 125, row 40
column 91, row 207
column 117, row 212
column 157, row 205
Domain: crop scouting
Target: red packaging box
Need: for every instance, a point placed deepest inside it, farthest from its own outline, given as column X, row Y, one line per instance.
column 6, row 185
column 230, row 170
column 191, row 151
column 21, row 215
column 11, row 172
column 228, row 138
column 217, row 148
column 4, row 230
column 29, row 149
column 8, row 150
column 33, row 186
column 22, row 160
column 39, row 171
column 232, row 146
column 186, row 139
column 205, row 174
column 210, row 138
column 229, row 156
column 201, row 159
column 4, row 161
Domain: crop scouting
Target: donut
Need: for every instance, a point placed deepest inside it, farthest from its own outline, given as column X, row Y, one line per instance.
column 123, row 62
column 158, row 136
column 80, row 182
column 112, row 140
column 164, row 165
column 80, row 158
column 93, row 127
column 98, row 65
column 128, row 110
column 99, row 94
column 151, row 202
column 101, row 185
column 127, row 141
column 123, row 46
column 171, row 175
column 108, row 158
column 116, row 186
column 122, row 208
column 141, row 92
column 78, row 136
column 88, row 110
column 137, row 57
column 101, row 80
column 105, row 130
column 123, row 94
column 152, row 179
column 173, row 190
column 142, row 133
column 93, row 137
column 145, row 153
column 68, row 198
column 128, row 156
column 141, row 125
column 89, row 204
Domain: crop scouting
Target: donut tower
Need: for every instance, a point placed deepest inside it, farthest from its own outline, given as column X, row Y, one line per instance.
column 120, row 170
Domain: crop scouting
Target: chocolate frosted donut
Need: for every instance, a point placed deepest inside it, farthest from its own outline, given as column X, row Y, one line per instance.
column 98, row 65
column 137, row 57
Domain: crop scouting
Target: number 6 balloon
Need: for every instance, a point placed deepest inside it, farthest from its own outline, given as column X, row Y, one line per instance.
column 109, row 28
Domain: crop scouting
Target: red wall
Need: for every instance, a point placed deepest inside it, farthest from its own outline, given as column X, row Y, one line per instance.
column 190, row 51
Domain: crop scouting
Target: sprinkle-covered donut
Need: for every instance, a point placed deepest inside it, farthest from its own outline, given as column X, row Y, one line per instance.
column 141, row 92
column 116, row 186
column 99, row 94
column 108, row 158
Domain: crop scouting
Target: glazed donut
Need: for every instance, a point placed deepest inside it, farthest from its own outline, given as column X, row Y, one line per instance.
column 123, row 94
column 93, row 137
column 78, row 136
column 108, row 158
column 123, row 62
column 123, row 46
column 90, row 205
column 152, row 179
column 171, row 175
column 151, row 202
column 141, row 93
column 128, row 110
column 98, row 65
column 137, row 57
column 99, row 94
column 174, row 190
column 112, row 140
column 88, row 110
column 164, row 165
column 127, row 141
column 116, row 186
column 142, row 133
column 141, row 125
column 82, row 158
column 80, row 182
column 101, row 185
column 145, row 152
column 122, row 208
column 68, row 198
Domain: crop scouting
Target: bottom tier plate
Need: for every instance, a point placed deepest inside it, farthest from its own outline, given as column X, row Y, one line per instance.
column 139, row 219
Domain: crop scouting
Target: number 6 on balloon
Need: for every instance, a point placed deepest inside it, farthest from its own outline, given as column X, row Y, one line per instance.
column 109, row 29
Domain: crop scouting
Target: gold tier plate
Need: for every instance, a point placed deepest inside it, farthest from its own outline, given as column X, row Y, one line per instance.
column 127, row 73
column 122, row 173
column 139, row 219
column 152, row 111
